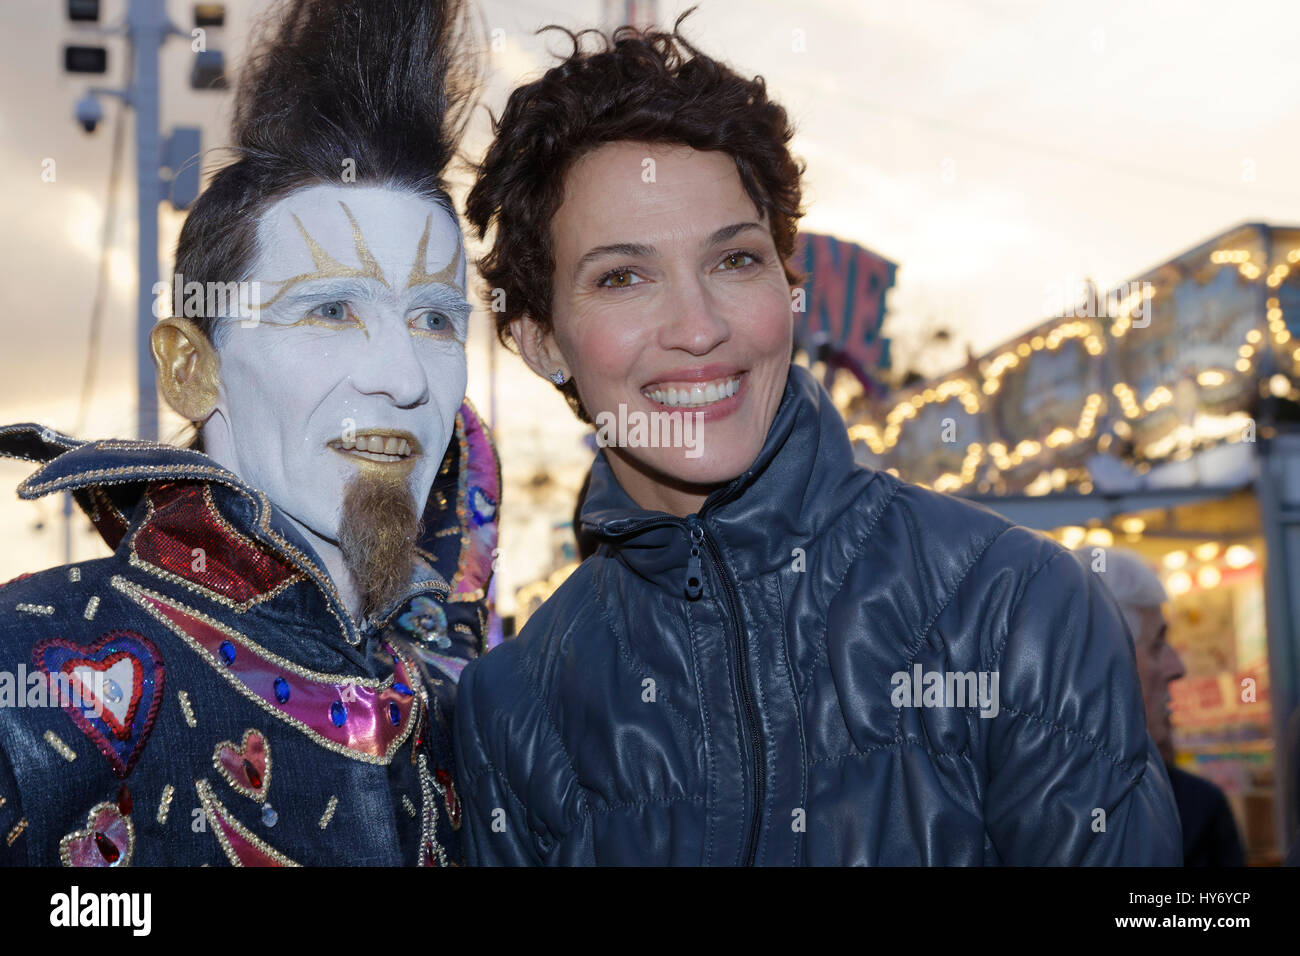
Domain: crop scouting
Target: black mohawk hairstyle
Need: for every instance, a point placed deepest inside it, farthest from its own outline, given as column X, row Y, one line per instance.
column 381, row 89
column 387, row 84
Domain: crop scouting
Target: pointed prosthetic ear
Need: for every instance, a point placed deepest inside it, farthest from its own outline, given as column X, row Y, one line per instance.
column 187, row 366
column 537, row 347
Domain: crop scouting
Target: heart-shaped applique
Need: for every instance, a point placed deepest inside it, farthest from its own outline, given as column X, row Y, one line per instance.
column 107, row 840
column 111, row 686
column 119, row 680
column 247, row 767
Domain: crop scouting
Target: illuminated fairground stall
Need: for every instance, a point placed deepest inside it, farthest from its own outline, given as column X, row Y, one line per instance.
column 1160, row 416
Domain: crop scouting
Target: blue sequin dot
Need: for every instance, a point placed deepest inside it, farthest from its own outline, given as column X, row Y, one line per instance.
column 269, row 816
column 338, row 713
column 394, row 714
column 282, row 690
column 227, row 653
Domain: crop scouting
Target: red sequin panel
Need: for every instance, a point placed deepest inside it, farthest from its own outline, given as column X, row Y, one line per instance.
column 184, row 536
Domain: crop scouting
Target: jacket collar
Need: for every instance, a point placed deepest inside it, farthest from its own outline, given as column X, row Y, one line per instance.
column 784, row 500
column 111, row 480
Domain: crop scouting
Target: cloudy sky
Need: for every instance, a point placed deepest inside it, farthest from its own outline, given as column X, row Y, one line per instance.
column 994, row 149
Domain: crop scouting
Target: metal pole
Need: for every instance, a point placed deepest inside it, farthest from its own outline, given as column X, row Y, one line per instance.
column 147, row 28
column 1278, row 493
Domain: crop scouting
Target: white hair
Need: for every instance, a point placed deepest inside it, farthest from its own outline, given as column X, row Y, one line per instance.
column 1129, row 579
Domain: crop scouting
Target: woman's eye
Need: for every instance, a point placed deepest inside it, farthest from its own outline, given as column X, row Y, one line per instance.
column 735, row 260
column 619, row 279
column 331, row 311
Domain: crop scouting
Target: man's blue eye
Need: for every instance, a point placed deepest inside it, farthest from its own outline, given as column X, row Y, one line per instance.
column 333, row 311
column 434, row 321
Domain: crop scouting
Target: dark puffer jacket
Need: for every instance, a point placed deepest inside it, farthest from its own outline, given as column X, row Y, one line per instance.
column 763, row 714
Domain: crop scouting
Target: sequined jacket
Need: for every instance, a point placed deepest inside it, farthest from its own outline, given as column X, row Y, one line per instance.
column 728, row 687
column 201, row 696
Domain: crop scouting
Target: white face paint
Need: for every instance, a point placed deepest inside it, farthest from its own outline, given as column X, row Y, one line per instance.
column 360, row 338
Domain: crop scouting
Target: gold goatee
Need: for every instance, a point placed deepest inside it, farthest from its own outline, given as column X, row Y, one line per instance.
column 377, row 538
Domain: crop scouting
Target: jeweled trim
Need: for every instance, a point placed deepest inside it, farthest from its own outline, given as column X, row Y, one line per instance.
column 239, row 607
column 417, row 589
column 429, row 819
column 328, row 815
column 16, row 832
column 133, row 474
column 224, row 825
column 89, row 832
column 187, row 709
column 100, row 503
column 253, row 793
column 121, row 743
column 450, row 801
column 165, row 803
column 404, row 672
column 124, row 475
column 60, row 748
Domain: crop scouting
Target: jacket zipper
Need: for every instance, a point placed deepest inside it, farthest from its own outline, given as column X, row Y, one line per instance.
column 751, row 726
column 693, row 587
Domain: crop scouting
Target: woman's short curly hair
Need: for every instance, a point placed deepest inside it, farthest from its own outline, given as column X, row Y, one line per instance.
column 634, row 85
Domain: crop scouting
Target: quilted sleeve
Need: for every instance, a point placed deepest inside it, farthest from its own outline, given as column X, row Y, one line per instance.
column 495, row 830
column 1073, row 776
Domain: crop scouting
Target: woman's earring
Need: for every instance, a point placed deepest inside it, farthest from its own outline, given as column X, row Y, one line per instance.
column 558, row 377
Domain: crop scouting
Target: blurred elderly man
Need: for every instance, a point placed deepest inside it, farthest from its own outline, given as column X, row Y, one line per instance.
column 1209, row 832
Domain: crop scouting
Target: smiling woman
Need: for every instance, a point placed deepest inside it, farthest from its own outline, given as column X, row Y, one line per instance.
column 713, row 685
column 668, row 295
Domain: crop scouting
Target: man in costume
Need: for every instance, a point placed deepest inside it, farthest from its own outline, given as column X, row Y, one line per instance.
column 263, row 671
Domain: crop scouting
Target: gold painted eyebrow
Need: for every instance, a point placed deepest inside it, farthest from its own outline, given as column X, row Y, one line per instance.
column 444, row 276
column 327, row 267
